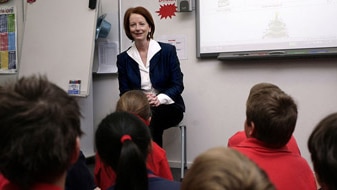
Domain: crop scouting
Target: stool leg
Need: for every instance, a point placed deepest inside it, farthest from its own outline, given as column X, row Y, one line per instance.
column 183, row 161
column 185, row 149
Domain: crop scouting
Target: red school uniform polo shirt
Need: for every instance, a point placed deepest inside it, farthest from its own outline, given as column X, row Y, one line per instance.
column 286, row 170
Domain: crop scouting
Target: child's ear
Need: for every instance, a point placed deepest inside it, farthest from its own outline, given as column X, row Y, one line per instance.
column 249, row 128
column 76, row 153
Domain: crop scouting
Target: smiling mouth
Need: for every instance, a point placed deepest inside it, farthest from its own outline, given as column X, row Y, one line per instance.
column 138, row 35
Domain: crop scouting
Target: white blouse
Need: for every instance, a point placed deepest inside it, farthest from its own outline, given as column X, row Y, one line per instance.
column 146, row 85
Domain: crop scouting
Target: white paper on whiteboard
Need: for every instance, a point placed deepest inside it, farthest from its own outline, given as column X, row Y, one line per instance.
column 107, row 56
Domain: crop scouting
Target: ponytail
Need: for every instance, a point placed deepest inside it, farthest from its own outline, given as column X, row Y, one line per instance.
column 131, row 169
column 122, row 142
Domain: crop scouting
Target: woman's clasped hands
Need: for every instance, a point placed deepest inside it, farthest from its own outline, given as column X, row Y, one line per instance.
column 153, row 99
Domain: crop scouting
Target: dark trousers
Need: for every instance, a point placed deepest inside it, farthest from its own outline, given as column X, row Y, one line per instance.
column 164, row 117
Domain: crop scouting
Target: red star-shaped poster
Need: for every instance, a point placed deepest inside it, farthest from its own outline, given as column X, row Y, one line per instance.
column 167, row 10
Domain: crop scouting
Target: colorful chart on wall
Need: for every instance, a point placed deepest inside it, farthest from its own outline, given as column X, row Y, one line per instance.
column 8, row 40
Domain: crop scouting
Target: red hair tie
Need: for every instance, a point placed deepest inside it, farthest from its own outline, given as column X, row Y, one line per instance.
column 125, row 137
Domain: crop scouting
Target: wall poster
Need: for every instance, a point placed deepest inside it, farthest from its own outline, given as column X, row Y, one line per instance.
column 8, row 40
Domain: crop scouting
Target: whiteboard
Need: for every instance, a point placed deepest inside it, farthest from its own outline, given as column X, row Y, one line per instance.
column 263, row 28
column 59, row 41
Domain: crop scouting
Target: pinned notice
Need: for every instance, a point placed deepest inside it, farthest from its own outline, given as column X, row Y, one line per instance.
column 107, row 56
column 74, row 87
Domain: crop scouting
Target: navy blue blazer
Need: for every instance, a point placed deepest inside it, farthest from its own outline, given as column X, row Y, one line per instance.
column 165, row 73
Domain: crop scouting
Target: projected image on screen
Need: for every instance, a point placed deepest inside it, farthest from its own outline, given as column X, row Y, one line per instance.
column 245, row 25
column 276, row 29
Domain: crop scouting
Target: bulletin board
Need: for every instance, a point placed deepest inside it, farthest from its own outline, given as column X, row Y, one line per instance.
column 59, row 41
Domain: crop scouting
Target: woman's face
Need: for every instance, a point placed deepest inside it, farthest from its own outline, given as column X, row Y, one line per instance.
column 139, row 28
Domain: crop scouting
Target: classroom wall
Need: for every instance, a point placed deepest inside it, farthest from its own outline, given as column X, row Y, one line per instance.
column 215, row 91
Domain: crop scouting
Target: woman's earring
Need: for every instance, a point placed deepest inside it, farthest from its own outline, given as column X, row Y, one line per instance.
column 149, row 35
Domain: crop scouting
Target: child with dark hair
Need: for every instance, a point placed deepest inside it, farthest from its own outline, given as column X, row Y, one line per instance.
column 39, row 134
column 135, row 102
column 322, row 146
column 123, row 142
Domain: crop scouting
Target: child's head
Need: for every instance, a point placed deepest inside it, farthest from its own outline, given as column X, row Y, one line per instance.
column 225, row 168
column 134, row 101
column 322, row 146
column 39, row 131
column 271, row 115
column 123, row 142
